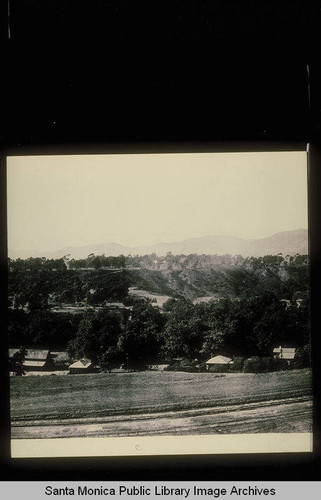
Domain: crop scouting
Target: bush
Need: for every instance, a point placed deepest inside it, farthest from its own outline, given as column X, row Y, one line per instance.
column 219, row 368
column 252, row 365
column 263, row 365
column 184, row 365
column 16, row 363
column 238, row 364
column 302, row 357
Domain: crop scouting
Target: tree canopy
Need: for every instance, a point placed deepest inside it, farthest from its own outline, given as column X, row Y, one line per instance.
column 252, row 305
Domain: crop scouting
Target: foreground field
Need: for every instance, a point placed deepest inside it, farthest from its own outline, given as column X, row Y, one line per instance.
column 160, row 403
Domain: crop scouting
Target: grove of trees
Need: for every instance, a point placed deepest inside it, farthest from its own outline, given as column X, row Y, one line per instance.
column 258, row 304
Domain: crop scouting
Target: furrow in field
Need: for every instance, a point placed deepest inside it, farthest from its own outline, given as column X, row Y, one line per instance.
column 238, row 418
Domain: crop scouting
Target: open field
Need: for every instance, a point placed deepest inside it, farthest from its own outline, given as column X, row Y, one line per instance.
column 160, row 403
column 159, row 299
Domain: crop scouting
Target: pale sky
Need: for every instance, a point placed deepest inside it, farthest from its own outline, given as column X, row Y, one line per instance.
column 141, row 199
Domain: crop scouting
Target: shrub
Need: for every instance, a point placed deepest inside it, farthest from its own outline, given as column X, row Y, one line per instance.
column 183, row 365
column 302, row 358
column 16, row 363
column 251, row 365
column 263, row 365
column 219, row 368
column 238, row 364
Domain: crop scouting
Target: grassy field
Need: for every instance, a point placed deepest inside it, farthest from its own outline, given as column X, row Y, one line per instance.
column 160, row 299
column 114, row 404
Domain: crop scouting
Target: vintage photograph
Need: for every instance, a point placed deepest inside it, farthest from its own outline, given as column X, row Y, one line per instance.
column 158, row 295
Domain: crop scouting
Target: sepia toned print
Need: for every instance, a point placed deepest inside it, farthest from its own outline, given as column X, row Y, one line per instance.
column 162, row 297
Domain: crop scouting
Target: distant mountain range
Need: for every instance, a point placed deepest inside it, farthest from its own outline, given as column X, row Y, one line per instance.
column 287, row 243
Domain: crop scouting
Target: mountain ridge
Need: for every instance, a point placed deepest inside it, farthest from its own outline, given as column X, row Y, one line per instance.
column 285, row 242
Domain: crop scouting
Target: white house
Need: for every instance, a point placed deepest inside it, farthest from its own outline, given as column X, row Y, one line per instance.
column 287, row 353
column 218, row 361
column 83, row 365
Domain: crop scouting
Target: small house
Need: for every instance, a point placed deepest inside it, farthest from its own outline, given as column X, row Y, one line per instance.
column 35, row 359
column 219, row 363
column 286, row 353
column 83, row 365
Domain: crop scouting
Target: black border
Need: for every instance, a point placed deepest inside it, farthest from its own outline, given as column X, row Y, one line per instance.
column 276, row 466
column 177, row 99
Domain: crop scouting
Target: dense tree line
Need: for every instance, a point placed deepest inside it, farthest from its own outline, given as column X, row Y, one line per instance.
column 144, row 335
column 244, row 327
column 97, row 262
column 34, row 280
column 228, row 276
column 35, row 287
column 256, row 306
column 153, row 261
column 41, row 328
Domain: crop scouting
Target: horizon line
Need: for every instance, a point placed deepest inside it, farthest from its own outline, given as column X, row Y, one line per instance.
column 10, row 250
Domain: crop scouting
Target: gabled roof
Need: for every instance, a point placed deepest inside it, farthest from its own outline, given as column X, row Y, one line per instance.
column 81, row 363
column 284, row 349
column 285, row 352
column 219, row 360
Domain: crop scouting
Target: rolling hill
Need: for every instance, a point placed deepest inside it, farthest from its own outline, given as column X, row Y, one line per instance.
column 287, row 243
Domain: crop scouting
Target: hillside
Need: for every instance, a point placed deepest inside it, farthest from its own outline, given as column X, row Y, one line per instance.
column 98, row 312
column 171, row 283
column 287, row 243
column 95, row 287
column 246, row 280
